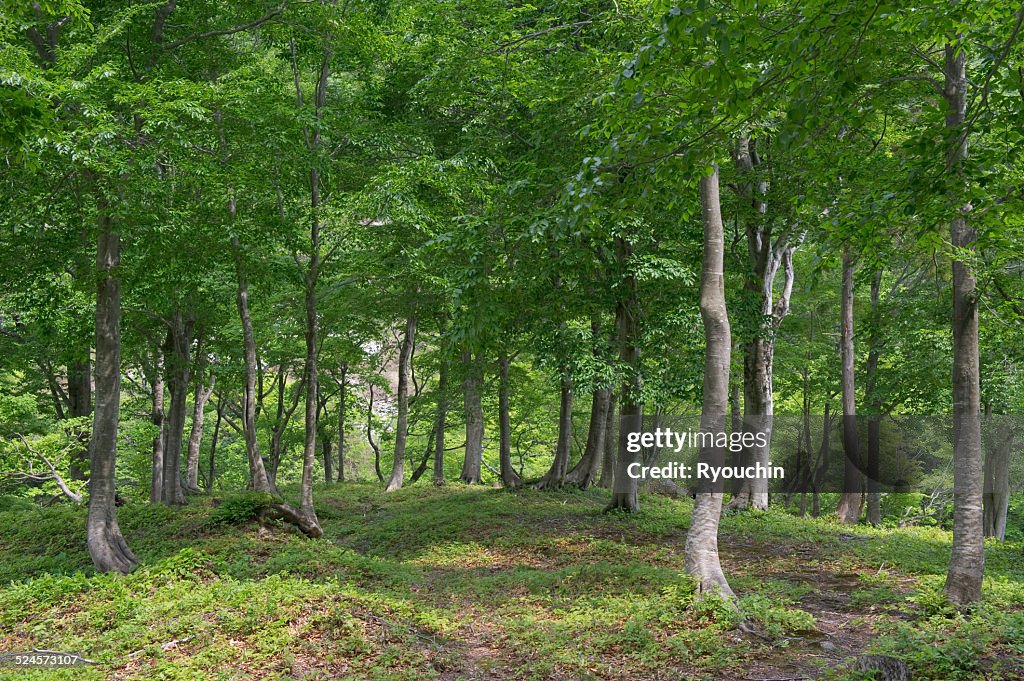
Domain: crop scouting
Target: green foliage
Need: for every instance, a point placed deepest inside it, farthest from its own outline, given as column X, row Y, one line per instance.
column 240, row 507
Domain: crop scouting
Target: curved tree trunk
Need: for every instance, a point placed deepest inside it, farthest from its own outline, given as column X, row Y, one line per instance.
column 584, row 473
column 627, row 326
column 702, row 561
column 852, row 498
column 195, row 437
column 107, row 546
column 509, row 478
column 967, row 561
column 563, row 449
column 472, row 386
column 402, row 426
column 258, row 479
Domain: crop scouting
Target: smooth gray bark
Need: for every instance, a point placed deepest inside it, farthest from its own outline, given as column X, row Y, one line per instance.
column 177, row 368
column 202, row 393
column 342, row 394
column 472, row 385
column 767, row 257
column 702, row 561
column 258, row 479
column 402, row 425
column 584, row 473
column 509, row 478
column 107, row 546
column 875, row 420
column 852, row 498
column 563, row 448
column 627, row 326
column 607, row 478
column 967, row 560
column 440, row 419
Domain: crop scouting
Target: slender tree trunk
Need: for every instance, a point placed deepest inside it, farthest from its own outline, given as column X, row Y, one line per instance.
column 156, row 380
column 107, row 546
column 996, row 500
column 702, row 560
column 563, row 449
column 823, row 461
column 584, row 473
column 402, row 427
column 851, row 500
column 258, row 479
column 967, row 562
column 342, row 393
column 440, row 418
column 306, row 508
column 509, row 478
column 177, row 365
column 328, row 454
column 767, row 257
column 472, row 386
column 607, row 480
column 213, row 446
column 80, row 403
column 875, row 420
column 369, row 435
column 627, row 325
column 195, row 438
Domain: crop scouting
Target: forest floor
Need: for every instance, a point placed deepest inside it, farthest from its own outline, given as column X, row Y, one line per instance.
column 477, row 583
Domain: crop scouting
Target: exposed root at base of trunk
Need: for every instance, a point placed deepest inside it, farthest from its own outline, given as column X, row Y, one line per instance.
column 282, row 511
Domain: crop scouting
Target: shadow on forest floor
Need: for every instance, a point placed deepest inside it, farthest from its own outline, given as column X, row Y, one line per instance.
column 464, row 583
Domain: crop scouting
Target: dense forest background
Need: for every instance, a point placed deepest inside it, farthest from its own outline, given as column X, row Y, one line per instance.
column 252, row 251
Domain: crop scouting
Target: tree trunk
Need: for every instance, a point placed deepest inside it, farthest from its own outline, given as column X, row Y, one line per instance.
column 607, row 479
column 584, row 473
column 107, row 546
column 80, row 403
column 767, row 257
column 509, row 478
column 342, row 393
column 195, row 438
column 702, row 561
column 875, row 420
column 306, row 509
column 967, row 561
column 325, row 445
column 439, row 420
column 155, row 376
column 177, row 366
column 472, row 386
column 996, row 500
column 213, row 446
column 851, row 500
column 402, row 426
column 823, row 460
column 563, row 449
column 369, row 434
column 258, row 479
column 627, row 325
